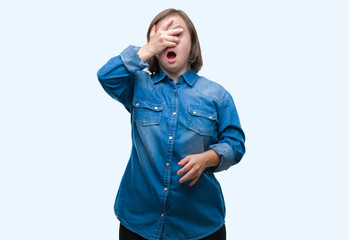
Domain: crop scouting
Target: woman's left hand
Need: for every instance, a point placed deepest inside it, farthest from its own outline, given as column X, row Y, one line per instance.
column 195, row 164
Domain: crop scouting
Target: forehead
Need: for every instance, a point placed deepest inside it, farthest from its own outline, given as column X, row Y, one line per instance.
column 178, row 22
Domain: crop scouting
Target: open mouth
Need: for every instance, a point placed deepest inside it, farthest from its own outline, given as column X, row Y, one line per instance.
column 171, row 56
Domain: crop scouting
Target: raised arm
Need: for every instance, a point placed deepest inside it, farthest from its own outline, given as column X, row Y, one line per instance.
column 118, row 74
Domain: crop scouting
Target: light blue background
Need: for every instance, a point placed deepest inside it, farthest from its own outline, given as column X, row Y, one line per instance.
column 65, row 143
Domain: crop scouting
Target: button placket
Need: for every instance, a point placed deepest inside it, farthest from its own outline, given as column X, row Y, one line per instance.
column 169, row 154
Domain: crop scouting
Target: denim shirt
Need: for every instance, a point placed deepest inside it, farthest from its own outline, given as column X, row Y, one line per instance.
column 170, row 121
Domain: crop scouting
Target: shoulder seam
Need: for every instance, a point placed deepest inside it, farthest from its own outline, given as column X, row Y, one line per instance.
column 220, row 100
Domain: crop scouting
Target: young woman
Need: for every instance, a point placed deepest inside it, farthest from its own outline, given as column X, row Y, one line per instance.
column 185, row 128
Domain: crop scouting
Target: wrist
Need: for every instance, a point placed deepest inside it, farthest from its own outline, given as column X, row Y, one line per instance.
column 145, row 52
column 212, row 158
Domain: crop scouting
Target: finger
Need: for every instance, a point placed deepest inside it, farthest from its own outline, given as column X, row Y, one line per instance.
column 172, row 39
column 166, row 24
column 194, row 181
column 188, row 176
column 170, row 45
column 184, row 169
column 174, row 31
column 152, row 31
column 184, row 161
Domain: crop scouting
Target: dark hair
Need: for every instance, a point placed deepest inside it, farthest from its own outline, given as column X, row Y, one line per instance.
column 195, row 58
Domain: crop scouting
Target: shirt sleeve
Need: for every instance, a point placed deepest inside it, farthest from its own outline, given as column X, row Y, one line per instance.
column 231, row 138
column 117, row 75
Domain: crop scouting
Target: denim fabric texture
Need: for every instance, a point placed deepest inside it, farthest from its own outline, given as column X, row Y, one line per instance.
column 170, row 121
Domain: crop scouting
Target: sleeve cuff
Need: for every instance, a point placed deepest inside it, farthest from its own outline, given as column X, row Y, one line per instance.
column 131, row 59
column 226, row 154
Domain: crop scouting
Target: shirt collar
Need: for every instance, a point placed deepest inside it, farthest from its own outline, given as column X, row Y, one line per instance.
column 190, row 76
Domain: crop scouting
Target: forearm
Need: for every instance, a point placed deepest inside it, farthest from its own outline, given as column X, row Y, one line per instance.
column 116, row 76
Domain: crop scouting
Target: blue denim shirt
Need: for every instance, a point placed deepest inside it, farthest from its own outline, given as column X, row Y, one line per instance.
column 169, row 122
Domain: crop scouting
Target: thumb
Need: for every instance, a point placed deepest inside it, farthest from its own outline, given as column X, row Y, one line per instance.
column 152, row 31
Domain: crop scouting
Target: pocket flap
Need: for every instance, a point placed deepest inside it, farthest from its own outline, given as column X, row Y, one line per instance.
column 202, row 112
column 148, row 103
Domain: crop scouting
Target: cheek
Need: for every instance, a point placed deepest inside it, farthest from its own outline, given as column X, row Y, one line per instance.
column 187, row 50
column 185, row 47
column 160, row 55
column 188, row 46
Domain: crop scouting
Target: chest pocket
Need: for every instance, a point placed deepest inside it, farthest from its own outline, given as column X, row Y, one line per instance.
column 147, row 111
column 202, row 120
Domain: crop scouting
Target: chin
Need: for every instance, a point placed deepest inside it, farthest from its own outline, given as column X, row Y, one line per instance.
column 173, row 69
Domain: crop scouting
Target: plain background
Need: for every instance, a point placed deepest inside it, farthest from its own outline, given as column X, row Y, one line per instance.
column 65, row 143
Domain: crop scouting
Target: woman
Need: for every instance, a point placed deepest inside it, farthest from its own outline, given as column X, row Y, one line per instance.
column 184, row 129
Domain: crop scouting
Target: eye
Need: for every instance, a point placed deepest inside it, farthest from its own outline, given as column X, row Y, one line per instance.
column 178, row 35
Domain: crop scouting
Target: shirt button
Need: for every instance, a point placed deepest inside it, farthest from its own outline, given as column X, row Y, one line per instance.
column 155, row 108
column 170, row 137
column 174, row 113
column 167, row 164
column 162, row 215
column 194, row 112
column 165, row 188
column 175, row 90
column 180, row 78
column 210, row 117
column 137, row 104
